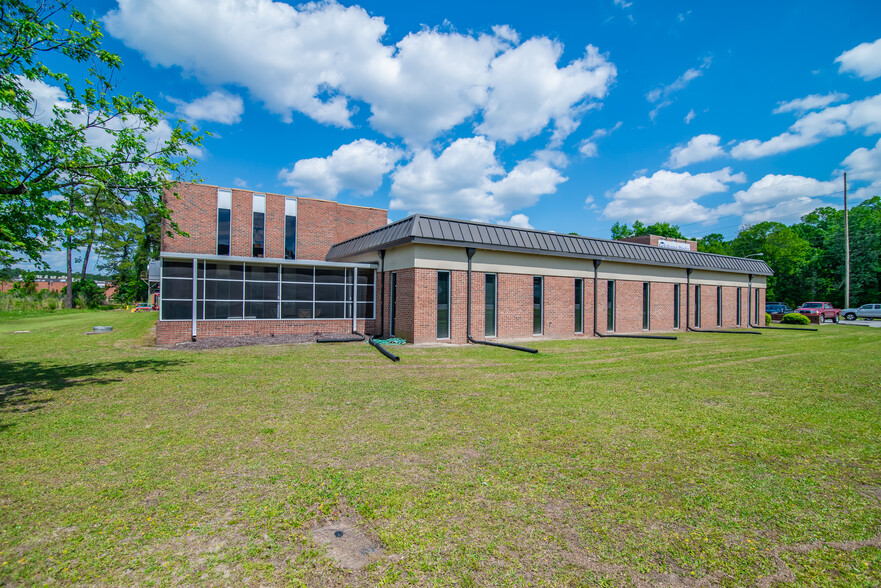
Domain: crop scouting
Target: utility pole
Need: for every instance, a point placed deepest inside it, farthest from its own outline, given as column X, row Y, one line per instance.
column 846, row 249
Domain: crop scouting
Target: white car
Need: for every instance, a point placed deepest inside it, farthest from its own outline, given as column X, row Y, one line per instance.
column 866, row 311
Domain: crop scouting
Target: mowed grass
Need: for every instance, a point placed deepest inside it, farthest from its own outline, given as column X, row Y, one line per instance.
column 716, row 459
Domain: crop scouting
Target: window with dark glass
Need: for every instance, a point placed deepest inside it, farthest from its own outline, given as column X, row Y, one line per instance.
column 258, row 225
column 610, row 305
column 757, row 308
column 579, row 305
column 697, row 306
column 266, row 291
column 537, row 305
column 443, row 305
column 290, row 228
column 675, row 306
column 177, row 290
column 489, row 321
column 224, row 206
column 739, row 304
column 718, row 306
column 646, row 305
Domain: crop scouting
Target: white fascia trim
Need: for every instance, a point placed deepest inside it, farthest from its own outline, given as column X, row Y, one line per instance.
column 266, row 260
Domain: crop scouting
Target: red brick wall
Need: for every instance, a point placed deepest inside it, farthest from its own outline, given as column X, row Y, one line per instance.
column 320, row 223
column 661, row 306
column 416, row 319
column 171, row 332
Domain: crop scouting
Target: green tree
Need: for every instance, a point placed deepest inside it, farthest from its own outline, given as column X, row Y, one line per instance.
column 46, row 149
column 639, row 229
column 714, row 243
column 784, row 250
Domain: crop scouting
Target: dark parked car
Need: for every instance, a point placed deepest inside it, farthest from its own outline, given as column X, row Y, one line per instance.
column 777, row 308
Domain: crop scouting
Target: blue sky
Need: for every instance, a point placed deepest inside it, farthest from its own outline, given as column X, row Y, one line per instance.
column 565, row 116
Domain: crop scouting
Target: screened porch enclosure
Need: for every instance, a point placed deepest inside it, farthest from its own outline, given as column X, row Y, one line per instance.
column 245, row 290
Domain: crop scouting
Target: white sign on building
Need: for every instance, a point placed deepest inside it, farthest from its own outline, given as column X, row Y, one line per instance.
column 674, row 245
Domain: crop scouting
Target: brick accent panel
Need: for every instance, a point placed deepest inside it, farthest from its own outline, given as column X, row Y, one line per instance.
column 171, row 332
column 558, row 304
column 661, row 308
column 628, row 306
column 514, row 306
column 320, row 223
column 194, row 208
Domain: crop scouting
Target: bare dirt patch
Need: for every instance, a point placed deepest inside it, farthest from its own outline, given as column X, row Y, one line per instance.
column 348, row 542
column 202, row 343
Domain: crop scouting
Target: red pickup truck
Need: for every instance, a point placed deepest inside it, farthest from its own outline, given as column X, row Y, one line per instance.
column 823, row 309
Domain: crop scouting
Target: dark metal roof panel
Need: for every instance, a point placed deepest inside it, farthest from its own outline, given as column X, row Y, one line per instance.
column 442, row 231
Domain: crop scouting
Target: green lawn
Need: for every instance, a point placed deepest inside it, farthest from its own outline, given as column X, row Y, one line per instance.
column 716, row 459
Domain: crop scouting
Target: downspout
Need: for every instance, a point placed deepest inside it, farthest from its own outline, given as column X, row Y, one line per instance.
column 688, row 311
column 470, row 251
column 596, row 265
column 195, row 297
column 749, row 320
column 355, row 300
column 354, row 316
column 382, row 293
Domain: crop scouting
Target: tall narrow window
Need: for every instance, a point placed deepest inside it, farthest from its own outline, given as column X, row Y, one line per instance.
column 443, row 305
column 224, row 206
column 757, row 308
column 536, row 305
column 579, row 305
column 489, row 321
column 393, row 302
column 646, row 306
column 257, row 224
column 739, row 305
column 290, row 228
column 718, row 306
column 610, row 306
column 675, row 306
column 697, row 306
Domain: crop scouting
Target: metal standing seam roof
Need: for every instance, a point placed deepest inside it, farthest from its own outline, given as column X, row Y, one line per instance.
column 459, row 233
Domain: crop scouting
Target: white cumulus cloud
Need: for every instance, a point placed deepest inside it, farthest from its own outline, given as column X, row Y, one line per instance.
column 669, row 196
column 323, row 59
column 864, row 164
column 521, row 221
column 358, row 167
column 467, row 180
column 778, row 197
column 699, row 148
column 863, row 60
column 218, row 106
column 863, row 116
column 528, row 90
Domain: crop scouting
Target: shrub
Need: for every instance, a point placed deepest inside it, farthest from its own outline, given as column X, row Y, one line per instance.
column 794, row 318
column 42, row 300
column 87, row 294
column 767, row 318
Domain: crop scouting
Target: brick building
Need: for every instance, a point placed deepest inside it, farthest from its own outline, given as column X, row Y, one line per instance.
column 258, row 263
